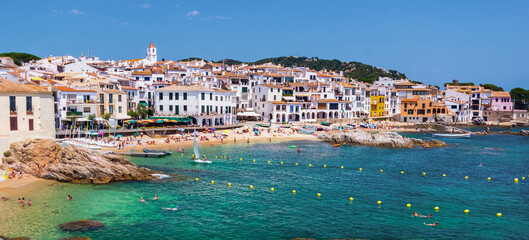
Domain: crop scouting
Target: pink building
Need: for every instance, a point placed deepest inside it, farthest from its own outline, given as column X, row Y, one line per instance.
column 501, row 101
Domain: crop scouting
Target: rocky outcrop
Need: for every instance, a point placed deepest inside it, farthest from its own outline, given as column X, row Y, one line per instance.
column 478, row 121
column 47, row 159
column 382, row 139
column 82, row 225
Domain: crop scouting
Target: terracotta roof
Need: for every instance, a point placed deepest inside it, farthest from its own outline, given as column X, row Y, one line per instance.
column 151, row 45
column 113, row 91
column 142, row 73
column 128, row 88
column 7, row 86
column 271, row 85
column 277, row 102
column 67, row 89
column 501, row 94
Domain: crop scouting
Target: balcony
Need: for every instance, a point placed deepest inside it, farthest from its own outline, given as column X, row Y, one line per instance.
column 29, row 112
column 73, row 101
column 74, row 114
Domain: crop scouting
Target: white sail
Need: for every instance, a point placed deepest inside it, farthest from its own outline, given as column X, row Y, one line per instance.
column 197, row 154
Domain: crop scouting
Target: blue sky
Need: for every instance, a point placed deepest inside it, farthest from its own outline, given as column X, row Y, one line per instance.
column 430, row 41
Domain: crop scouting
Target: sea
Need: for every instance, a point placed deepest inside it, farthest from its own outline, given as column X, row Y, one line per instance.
column 233, row 198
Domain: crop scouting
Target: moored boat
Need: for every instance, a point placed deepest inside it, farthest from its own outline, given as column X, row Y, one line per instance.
column 156, row 151
column 452, row 135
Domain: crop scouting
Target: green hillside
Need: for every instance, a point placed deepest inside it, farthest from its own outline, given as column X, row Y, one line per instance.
column 18, row 57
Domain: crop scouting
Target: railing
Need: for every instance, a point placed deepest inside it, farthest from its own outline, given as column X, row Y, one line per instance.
column 74, row 114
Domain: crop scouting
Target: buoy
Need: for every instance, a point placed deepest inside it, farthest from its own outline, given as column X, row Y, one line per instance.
column 241, row 159
column 254, row 160
column 341, row 167
column 401, row 172
column 424, row 174
column 381, row 170
column 310, row 165
column 379, row 202
column 324, row 166
column 216, row 157
column 319, row 194
column 488, row 178
column 360, row 169
column 351, row 199
column 444, row 175
column 212, row 182
column 272, row 189
column 466, row 177
column 281, row 163
column 498, row 214
column 196, row 179
column 516, row 180
column 296, row 164
column 268, row 162
column 436, row 208
column 229, row 184
column 408, row 205
column 293, row 191
column 466, row 211
column 251, row 186
column 182, row 154
column 523, row 178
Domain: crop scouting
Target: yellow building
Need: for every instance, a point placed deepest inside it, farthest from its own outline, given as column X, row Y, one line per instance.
column 377, row 106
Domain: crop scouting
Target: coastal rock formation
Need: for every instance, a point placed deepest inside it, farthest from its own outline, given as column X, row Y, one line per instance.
column 47, row 159
column 82, row 225
column 382, row 139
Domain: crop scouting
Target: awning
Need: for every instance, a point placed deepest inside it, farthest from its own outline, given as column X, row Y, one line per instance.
column 37, row 79
column 248, row 114
column 144, row 103
column 289, row 98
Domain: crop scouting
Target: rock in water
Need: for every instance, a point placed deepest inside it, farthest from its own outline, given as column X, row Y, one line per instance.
column 47, row 159
column 382, row 139
column 82, row 225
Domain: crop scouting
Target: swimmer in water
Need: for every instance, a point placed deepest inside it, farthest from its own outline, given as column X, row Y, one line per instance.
column 415, row 214
column 171, row 209
column 155, row 197
column 299, row 149
column 481, row 165
column 141, row 199
column 431, row 224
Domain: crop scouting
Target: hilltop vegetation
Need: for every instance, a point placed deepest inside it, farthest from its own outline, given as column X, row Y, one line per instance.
column 18, row 57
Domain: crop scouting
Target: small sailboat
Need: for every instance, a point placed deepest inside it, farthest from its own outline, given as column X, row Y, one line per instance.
column 196, row 156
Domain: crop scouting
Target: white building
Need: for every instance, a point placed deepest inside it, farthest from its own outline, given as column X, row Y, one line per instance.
column 28, row 113
column 151, row 56
column 209, row 107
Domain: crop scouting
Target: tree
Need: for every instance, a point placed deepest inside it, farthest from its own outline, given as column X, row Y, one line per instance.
column 491, row 87
column 18, row 57
column 106, row 116
column 520, row 97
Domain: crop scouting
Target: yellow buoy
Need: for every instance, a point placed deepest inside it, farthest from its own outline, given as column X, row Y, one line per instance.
column 293, row 191
column 444, row 175
column 379, row 202
column 381, row 170
column 281, row 163
column 516, row 180
column 212, row 182
column 488, row 178
column 324, row 166
column 408, row 205
column 424, row 174
column 268, row 162
column 466, row 211
column 523, row 178
column 241, row 159
column 296, row 164
column 254, row 160
column 310, row 165
column 229, row 184
column 216, row 156
column 341, row 167
column 272, row 189
column 498, row 214
column 360, row 169
column 466, row 177
column 436, row 208
column 251, row 186
column 182, row 154
column 401, row 172
column 319, row 194
column 196, row 179
column 351, row 199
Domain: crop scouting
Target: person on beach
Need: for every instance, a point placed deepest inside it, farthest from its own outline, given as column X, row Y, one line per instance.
column 431, row 224
column 29, row 203
column 155, row 197
column 142, row 200
column 45, row 204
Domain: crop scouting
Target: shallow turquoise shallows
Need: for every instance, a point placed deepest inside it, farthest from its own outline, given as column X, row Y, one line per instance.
column 216, row 211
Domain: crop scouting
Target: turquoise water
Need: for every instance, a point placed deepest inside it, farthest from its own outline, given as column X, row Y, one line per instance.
column 216, row 211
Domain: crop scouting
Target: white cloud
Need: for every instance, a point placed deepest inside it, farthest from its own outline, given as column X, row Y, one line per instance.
column 223, row 17
column 192, row 14
column 144, row 5
column 76, row 12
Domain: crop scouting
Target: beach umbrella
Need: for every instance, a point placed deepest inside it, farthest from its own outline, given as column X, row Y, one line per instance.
column 3, row 178
column 181, row 130
column 226, row 131
column 119, row 136
column 159, row 121
column 100, row 133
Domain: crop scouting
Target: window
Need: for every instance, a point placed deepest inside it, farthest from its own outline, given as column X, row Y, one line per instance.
column 202, row 109
column 29, row 104
column 120, row 109
column 185, row 108
column 31, row 127
column 109, row 98
column 177, row 110
column 221, row 97
column 111, row 109
column 119, row 98
column 274, row 97
column 12, row 104
column 161, row 96
column 216, row 98
column 170, row 96
column 147, row 78
column 203, row 96
column 161, row 107
column 244, row 89
column 171, row 108
column 176, row 96
column 86, row 109
column 211, row 96
column 185, row 96
column 13, row 122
